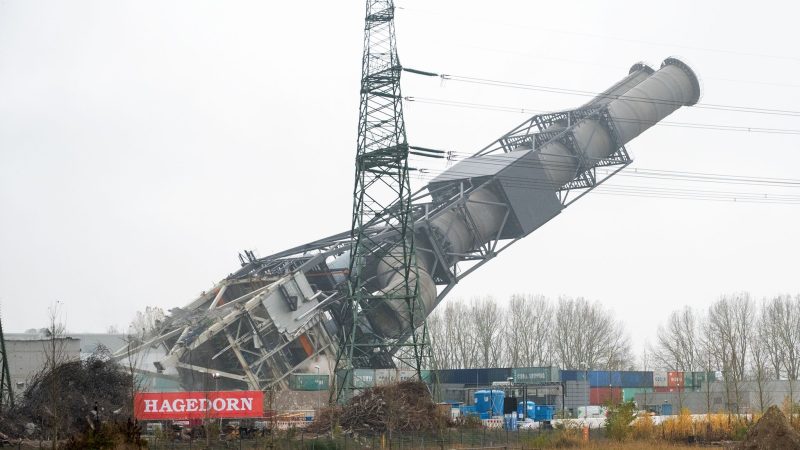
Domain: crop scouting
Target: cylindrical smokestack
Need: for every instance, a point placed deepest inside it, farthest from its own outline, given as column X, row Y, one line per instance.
column 634, row 104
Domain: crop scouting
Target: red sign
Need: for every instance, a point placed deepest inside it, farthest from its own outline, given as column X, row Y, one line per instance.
column 198, row 405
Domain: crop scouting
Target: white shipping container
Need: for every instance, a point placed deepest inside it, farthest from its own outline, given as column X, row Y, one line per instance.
column 660, row 378
column 406, row 374
column 385, row 376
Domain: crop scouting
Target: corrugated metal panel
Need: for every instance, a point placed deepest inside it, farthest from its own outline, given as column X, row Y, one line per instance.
column 474, row 377
column 660, row 378
column 363, row 378
column 406, row 374
column 675, row 379
column 308, row 382
column 604, row 395
column 533, row 375
column 385, row 376
column 599, row 378
column 664, row 389
column 573, row 375
column 699, row 378
column 629, row 393
column 636, row 379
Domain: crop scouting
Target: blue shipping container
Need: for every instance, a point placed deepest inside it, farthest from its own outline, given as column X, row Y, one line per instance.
column 637, row 379
column 605, row 378
column 468, row 410
column 474, row 377
column 544, row 412
column 599, row 378
column 573, row 375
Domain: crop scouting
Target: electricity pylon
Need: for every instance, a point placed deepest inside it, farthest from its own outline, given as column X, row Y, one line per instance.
column 381, row 201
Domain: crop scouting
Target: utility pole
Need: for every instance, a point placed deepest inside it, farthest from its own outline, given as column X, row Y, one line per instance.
column 381, row 200
column 6, row 394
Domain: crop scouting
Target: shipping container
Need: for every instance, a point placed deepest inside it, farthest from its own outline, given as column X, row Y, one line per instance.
column 637, row 379
column 700, row 378
column 604, row 395
column 660, row 378
column 474, row 377
column 599, row 378
column 535, row 375
column 406, row 374
column 308, row 382
column 363, row 378
column 666, row 389
column 629, row 393
column 675, row 379
column 605, row 378
column 385, row 376
column 573, row 375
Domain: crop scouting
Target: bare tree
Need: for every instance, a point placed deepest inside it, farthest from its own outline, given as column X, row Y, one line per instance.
column 146, row 322
column 55, row 355
column 676, row 343
column 527, row 331
column 759, row 363
column 771, row 318
column 586, row 333
column 451, row 332
column 728, row 332
column 488, row 331
column 782, row 316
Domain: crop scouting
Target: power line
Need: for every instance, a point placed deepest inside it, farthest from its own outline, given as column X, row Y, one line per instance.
column 500, row 161
column 646, row 190
column 523, row 110
column 552, row 89
column 451, row 15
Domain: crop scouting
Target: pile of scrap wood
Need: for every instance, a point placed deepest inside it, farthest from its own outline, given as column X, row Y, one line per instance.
column 404, row 406
column 70, row 398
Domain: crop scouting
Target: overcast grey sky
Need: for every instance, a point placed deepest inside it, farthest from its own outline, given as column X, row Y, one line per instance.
column 143, row 144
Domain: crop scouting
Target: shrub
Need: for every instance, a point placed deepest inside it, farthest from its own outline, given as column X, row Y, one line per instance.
column 618, row 420
column 643, row 427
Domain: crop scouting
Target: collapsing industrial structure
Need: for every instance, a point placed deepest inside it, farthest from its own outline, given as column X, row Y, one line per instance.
column 285, row 313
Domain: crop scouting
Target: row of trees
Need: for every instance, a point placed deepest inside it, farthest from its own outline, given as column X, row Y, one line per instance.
column 744, row 339
column 529, row 331
column 737, row 335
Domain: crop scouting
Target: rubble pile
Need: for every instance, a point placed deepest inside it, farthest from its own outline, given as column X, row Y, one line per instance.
column 73, row 397
column 772, row 432
column 404, row 406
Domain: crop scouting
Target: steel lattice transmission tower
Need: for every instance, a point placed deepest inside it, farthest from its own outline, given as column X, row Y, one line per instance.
column 381, row 201
column 6, row 395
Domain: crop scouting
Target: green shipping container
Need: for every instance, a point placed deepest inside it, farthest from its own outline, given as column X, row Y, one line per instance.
column 308, row 382
column 629, row 394
column 535, row 375
column 701, row 378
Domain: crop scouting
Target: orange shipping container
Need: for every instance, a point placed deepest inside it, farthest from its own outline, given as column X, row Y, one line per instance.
column 603, row 395
column 675, row 379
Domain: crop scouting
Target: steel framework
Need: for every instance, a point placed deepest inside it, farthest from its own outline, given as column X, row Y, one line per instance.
column 381, row 199
column 6, row 394
column 347, row 299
